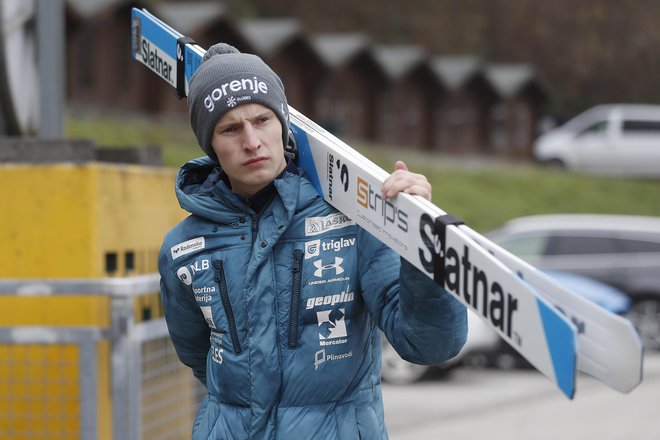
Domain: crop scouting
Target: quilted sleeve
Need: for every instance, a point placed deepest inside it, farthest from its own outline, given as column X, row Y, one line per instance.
column 188, row 329
column 422, row 321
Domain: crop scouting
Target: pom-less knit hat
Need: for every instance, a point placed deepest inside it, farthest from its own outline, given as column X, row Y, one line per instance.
column 225, row 79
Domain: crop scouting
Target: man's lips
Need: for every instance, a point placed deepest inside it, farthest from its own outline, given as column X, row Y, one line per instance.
column 255, row 161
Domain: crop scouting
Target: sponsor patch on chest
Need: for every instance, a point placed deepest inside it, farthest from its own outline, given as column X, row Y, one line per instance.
column 319, row 225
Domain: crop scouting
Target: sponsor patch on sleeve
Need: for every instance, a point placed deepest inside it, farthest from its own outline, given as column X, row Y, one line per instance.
column 187, row 247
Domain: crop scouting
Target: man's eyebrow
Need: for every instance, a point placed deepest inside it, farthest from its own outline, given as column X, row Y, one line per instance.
column 227, row 124
column 265, row 113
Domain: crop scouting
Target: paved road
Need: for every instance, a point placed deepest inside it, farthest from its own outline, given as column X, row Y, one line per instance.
column 498, row 405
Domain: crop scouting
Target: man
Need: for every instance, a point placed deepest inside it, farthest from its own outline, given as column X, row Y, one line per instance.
column 273, row 298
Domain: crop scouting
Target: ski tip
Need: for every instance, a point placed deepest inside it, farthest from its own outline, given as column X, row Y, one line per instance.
column 562, row 344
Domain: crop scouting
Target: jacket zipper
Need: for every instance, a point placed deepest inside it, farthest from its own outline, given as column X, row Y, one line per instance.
column 219, row 278
column 295, row 298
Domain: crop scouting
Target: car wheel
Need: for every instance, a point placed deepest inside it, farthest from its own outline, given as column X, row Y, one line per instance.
column 397, row 371
column 645, row 316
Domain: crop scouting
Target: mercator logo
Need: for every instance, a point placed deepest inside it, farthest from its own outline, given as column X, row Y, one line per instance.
column 332, row 325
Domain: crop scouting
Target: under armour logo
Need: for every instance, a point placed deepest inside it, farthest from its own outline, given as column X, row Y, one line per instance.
column 320, row 267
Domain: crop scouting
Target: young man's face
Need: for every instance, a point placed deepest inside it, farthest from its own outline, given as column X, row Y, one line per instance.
column 248, row 143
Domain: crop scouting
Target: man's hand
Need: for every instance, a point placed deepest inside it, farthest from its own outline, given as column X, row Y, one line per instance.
column 402, row 180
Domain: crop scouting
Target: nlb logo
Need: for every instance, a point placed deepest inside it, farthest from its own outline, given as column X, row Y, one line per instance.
column 252, row 85
column 373, row 201
column 184, row 275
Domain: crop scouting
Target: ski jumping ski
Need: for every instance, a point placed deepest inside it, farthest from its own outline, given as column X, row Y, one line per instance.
column 554, row 329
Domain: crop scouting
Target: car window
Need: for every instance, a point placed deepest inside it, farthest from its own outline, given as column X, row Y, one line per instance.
column 599, row 127
column 579, row 245
column 525, row 246
column 641, row 127
column 638, row 246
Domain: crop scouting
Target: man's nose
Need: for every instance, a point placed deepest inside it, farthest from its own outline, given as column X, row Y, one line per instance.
column 250, row 139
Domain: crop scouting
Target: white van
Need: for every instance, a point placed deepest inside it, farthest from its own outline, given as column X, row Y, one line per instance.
column 621, row 139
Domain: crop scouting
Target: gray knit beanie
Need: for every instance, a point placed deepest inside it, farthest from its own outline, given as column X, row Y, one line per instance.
column 225, row 79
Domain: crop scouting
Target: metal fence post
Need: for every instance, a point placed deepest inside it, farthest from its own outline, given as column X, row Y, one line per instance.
column 88, row 360
column 126, row 371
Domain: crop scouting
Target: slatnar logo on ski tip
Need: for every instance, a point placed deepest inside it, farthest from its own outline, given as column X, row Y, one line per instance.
column 157, row 61
column 466, row 280
column 343, row 174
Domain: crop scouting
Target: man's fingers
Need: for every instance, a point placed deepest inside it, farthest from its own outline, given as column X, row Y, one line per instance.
column 400, row 165
column 402, row 180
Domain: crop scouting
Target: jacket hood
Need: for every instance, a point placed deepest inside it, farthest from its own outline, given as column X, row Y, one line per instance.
column 201, row 191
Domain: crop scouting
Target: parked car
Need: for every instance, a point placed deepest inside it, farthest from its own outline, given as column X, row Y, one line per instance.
column 485, row 348
column 614, row 138
column 623, row 251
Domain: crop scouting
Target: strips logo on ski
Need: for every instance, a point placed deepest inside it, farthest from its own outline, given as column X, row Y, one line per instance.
column 507, row 293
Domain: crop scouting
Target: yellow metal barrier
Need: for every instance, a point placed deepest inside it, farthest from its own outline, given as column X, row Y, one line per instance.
column 109, row 372
column 87, row 359
column 83, row 221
